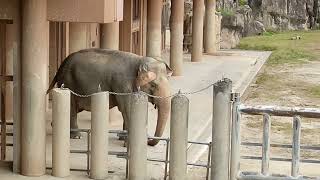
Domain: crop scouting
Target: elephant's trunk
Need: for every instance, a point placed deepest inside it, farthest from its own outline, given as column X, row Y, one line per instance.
column 163, row 105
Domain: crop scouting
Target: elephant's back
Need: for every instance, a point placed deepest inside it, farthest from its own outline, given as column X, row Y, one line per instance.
column 84, row 71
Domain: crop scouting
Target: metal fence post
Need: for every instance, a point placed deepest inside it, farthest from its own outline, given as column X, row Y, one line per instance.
column 266, row 145
column 138, row 137
column 99, row 135
column 221, row 130
column 235, row 138
column 296, row 146
column 178, row 137
column 60, row 133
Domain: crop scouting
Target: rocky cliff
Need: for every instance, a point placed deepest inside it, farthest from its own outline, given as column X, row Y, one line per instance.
column 253, row 17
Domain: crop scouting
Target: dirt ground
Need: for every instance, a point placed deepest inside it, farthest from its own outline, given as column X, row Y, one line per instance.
column 291, row 85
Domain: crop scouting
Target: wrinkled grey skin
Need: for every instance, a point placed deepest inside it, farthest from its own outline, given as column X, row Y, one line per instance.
column 84, row 71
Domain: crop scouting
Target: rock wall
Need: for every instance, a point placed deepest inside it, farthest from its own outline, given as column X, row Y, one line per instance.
column 286, row 14
column 261, row 15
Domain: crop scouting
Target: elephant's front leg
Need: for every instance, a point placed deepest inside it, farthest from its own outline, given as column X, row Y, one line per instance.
column 73, row 119
column 124, row 105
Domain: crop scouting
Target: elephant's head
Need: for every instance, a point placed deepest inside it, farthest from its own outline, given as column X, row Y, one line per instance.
column 152, row 78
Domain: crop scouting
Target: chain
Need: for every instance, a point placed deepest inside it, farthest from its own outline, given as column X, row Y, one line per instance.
column 149, row 95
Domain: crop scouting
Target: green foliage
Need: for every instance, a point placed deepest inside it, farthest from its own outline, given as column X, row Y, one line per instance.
column 243, row 2
column 285, row 50
column 227, row 12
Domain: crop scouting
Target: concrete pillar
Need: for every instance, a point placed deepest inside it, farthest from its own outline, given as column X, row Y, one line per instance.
column 176, row 36
column 110, row 40
column 60, row 133
column 138, row 137
column 210, row 34
column 110, row 36
column 78, row 33
column 154, row 28
column 35, row 35
column 13, row 101
column 197, row 30
column 178, row 137
column 220, row 130
column 99, row 135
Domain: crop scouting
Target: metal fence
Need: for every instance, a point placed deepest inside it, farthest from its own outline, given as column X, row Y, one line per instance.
column 267, row 112
column 222, row 160
column 136, row 154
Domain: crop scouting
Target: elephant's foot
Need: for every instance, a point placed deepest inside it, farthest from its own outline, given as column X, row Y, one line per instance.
column 122, row 138
column 125, row 143
column 75, row 135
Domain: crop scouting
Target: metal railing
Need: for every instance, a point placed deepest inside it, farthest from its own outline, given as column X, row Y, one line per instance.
column 124, row 154
column 267, row 112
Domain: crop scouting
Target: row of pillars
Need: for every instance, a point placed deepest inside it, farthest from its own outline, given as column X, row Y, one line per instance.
column 137, row 153
column 204, row 15
column 30, row 142
column 137, row 135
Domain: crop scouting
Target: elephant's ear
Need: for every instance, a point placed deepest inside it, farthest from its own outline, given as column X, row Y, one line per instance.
column 144, row 75
column 168, row 69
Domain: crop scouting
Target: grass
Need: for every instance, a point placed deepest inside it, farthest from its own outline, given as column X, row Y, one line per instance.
column 315, row 91
column 285, row 50
column 284, row 127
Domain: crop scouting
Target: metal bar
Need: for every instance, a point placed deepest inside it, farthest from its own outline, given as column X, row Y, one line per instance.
column 281, row 111
column 296, row 146
column 200, row 143
column 208, row 163
column 257, row 176
column 88, row 153
column 80, row 130
column 6, row 78
column 198, row 165
column 80, row 170
column 157, row 160
column 167, row 160
column 7, row 123
column 7, row 144
column 7, row 134
column 281, row 145
column 235, row 137
column 313, row 161
column 266, row 145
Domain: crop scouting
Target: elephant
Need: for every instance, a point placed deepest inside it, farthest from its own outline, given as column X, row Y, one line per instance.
column 91, row 70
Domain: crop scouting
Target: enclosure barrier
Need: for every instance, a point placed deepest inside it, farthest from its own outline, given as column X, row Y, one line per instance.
column 138, row 137
column 136, row 155
column 99, row 140
column 179, row 137
column 220, row 130
column 60, row 133
column 266, row 111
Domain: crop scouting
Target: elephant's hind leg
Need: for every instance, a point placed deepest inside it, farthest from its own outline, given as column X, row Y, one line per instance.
column 73, row 119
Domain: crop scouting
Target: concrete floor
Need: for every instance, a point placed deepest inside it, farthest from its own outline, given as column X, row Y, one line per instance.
column 240, row 66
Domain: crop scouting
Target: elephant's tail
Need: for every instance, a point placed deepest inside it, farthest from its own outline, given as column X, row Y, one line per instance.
column 54, row 81
column 59, row 73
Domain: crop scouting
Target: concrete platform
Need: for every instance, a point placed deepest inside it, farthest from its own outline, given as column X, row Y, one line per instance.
column 240, row 66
